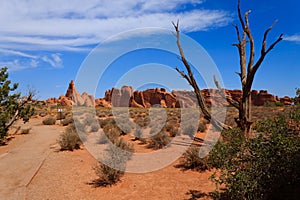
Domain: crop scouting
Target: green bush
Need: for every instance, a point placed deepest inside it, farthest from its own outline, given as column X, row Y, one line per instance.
column 258, row 168
column 69, row 140
column 12, row 106
column 225, row 150
column 49, row 121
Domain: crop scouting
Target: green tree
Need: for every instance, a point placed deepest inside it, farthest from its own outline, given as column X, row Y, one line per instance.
column 12, row 106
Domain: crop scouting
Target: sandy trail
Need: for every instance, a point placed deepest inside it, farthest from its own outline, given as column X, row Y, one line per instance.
column 32, row 170
column 22, row 158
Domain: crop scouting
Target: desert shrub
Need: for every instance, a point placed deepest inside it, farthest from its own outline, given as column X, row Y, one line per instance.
column 126, row 146
column 111, row 134
column 95, row 127
column 191, row 160
column 80, row 127
column 67, row 121
column 273, row 104
column 190, row 130
column 88, row 120
column 174, row 130
column 257, row 168
column 201, row 127
column 49, row 121
column 106, row 175
column 69, row 140
column 159, row 141
column 138, row 133
column 41, row 113
column 107, row 122
column 113, row 166
column 126, row 127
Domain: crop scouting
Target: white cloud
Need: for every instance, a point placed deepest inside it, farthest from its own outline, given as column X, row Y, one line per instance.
column 54, row 60
column 71, row 25
column 19, row 64
column 16, row 53
column 293, row 38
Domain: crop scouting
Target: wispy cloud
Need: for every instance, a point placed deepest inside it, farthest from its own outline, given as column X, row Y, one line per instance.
column 16, row 53
column 293, row 38
column 17, row 64
column 54, row 60
column 71, row 25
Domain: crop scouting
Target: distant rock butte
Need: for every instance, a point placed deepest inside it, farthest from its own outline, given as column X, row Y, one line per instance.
column 127, row 97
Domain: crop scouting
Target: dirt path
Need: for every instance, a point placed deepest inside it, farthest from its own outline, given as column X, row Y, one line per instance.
column 32, row 170
column 22, row 158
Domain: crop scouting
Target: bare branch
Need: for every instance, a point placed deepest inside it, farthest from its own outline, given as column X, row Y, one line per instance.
column 237, row 33
column 264, row 43
column 184, row 76
column 190, row 78
column 231, row 101
column 274, row 44
column 240, row 14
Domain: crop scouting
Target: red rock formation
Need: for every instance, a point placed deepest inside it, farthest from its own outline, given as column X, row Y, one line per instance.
column 286, row 100
column 64, row 101
column 126, row 96
column 89, row 100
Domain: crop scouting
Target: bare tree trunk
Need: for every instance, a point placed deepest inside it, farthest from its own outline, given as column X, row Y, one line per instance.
column 244, row 119
column 191, row 80
column 248, row 69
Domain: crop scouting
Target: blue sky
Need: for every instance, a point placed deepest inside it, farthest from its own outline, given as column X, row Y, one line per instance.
column 44, row 43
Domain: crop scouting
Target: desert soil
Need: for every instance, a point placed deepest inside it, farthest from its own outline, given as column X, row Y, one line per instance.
column 32, row 167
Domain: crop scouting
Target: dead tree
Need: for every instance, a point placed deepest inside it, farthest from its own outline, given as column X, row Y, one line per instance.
column 248, row 68
column 191, row 80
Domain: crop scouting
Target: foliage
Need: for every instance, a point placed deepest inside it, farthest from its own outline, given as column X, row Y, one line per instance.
column 49, row 121
column 274, row 104
column 224, row 151
column 191, row 160
column 12, row 106
column 257, row 168
column 107, row 175
column 69, row 140
column 113, row 166
column 67, row 121
column 159, row 141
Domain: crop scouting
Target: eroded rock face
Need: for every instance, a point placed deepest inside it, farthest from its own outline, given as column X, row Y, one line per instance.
column 127, row 97
column 73, row 97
